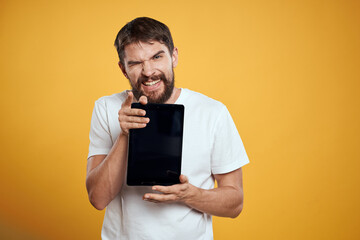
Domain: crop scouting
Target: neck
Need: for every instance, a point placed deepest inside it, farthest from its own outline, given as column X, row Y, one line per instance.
column 174, row 96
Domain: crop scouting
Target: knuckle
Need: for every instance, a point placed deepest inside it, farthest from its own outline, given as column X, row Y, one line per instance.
column 122, row 112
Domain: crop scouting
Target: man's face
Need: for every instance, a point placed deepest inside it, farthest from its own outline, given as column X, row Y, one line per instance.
column 149, row 68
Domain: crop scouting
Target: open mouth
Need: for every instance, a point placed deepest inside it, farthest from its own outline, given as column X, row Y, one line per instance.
column 150, row 83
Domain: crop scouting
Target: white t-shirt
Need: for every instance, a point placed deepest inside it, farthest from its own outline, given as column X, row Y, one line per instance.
column 211, row 145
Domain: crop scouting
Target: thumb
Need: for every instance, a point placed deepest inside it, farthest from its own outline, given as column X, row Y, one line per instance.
column 143, row 100
column 183, row 179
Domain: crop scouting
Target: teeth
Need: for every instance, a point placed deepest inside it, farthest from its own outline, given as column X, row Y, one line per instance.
column 151, row 83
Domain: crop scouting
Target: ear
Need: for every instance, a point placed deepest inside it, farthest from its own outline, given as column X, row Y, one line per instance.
column 123, row 70
column 174, row 57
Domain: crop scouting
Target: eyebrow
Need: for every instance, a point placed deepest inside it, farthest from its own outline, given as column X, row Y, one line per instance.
column 135, row 62
column 161, row 51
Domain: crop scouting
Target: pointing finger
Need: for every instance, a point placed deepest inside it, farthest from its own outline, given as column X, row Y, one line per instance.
column 128, row 100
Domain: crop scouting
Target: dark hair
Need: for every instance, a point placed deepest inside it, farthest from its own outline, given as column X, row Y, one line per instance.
column 142, row 29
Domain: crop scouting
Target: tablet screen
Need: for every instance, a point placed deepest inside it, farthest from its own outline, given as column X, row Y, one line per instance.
column 154, row 156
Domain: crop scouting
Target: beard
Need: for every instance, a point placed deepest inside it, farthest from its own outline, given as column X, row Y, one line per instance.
column 153, row 97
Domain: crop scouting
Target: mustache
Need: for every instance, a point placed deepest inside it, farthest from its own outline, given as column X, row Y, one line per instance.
column 142, row 79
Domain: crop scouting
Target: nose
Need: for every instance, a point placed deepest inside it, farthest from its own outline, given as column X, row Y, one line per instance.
column 148, row 68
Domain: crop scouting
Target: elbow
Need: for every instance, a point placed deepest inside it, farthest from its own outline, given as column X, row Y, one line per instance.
column 96, row 203
column 238, row 206
column 94, row 198
column 236, row 211
column 98, row 206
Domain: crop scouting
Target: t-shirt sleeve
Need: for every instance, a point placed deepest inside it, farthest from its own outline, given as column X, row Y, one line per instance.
column 228, row 152
column 100, row 137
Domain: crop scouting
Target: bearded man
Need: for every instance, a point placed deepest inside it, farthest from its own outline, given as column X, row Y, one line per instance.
column 212, row 148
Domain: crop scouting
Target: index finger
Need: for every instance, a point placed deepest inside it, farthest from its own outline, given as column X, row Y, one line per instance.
column 163, row 189
column 128, row 100
column 169, row 189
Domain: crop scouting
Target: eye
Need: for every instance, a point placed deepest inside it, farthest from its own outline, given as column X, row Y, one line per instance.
column 157, row 56
column 133, row 64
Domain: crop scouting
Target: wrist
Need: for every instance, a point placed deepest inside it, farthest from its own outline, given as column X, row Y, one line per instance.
column 122, row 139
column 123, row 134
column 194, row 196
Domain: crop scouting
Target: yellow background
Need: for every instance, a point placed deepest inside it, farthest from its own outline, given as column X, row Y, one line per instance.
column 288, row 71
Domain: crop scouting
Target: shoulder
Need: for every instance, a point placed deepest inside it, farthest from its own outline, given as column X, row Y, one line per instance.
column 201, row 101
column 112, row 100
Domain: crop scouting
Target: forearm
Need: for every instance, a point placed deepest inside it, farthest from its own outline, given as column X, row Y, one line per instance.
column 225, row 201
column 105, row 181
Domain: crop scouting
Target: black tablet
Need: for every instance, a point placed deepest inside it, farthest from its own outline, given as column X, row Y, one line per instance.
column 154, row 156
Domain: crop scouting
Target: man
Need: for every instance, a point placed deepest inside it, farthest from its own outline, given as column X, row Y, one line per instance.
column 212, row 148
